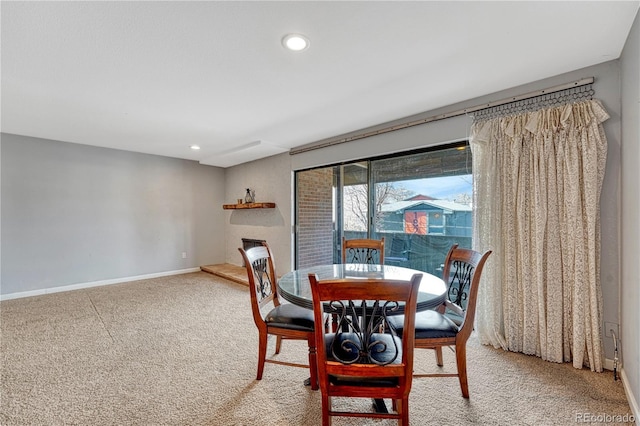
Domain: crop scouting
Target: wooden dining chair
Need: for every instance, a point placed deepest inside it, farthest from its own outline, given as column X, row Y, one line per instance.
column 285, row 321
column 435, row 329
column 363, row 250
column 356, row 360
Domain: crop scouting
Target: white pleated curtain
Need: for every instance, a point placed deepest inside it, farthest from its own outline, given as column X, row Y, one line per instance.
column 537, row 181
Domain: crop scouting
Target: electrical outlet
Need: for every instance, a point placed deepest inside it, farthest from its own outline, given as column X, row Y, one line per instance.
column 608, row 326
column 184, row 254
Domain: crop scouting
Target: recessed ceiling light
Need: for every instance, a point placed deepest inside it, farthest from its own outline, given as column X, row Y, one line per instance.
column 295, row 42
column 195, row 147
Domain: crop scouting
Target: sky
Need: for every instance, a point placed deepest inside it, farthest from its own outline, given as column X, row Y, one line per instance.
column 443, row 188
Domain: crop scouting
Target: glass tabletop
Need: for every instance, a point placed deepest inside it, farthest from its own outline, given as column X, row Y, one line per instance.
column 294, row 286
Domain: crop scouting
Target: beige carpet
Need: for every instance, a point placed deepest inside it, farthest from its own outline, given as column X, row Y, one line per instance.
column 181, row 350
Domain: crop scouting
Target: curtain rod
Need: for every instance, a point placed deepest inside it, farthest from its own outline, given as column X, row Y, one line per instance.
column 332, row 141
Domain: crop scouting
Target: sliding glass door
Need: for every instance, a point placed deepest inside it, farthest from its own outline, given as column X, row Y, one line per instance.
column 419, row 202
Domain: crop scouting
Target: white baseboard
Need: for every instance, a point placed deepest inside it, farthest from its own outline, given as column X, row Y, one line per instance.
column 94, row 284
column 633, row 402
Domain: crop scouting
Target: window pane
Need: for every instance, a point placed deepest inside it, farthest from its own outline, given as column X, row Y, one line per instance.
column 420, row 203
column 355, row 200
column 423, row 204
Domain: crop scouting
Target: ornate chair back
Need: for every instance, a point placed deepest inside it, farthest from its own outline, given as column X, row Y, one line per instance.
column 262, row 280
column 462, row 272
column 363, row 251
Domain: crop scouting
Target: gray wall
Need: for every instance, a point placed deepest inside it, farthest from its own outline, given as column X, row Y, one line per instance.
column 607, row 88
column 74, row 214
column 630, row 225
column 271, row 178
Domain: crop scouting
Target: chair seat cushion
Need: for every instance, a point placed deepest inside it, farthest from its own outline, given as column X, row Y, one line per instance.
column 429, row 325
column 291, row 316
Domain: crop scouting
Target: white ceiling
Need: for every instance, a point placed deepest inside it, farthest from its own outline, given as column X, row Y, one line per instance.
column 157, row 77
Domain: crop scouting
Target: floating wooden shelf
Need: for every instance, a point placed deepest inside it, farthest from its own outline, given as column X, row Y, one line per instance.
column 249, row 206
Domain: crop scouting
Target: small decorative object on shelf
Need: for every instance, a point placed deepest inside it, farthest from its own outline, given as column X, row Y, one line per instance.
column 250, row 196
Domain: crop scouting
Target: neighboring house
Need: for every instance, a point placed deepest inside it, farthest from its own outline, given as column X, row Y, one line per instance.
column 425, row 215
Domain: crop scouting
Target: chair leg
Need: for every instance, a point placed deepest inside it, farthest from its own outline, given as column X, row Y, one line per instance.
column 262, row 354
column 278, row 344
column 313, row 363
column 439, row 360
column 461, row 363
column 403, row 411
column 326, row 407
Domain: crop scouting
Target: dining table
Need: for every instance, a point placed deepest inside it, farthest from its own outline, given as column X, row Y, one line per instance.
column 295, row 287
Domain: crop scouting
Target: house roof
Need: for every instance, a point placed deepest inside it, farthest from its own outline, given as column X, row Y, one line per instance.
column 420, row 197
column 447, row 206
